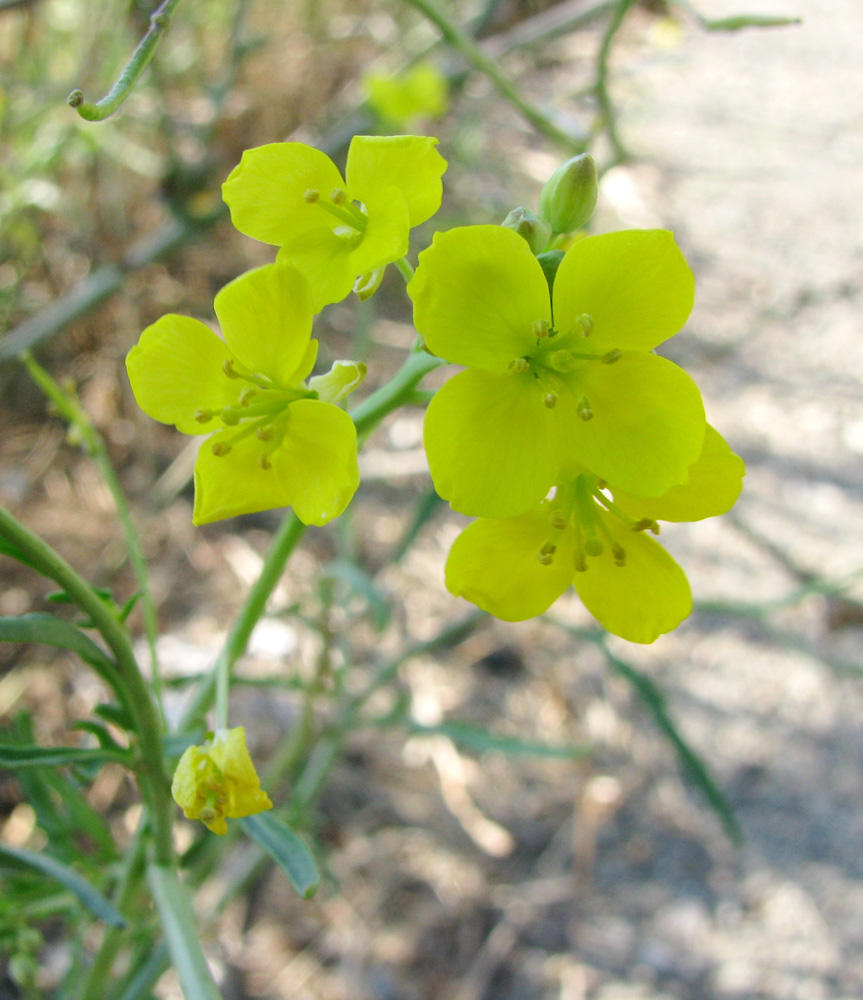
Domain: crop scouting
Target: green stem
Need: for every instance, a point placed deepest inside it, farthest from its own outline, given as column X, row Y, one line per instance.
column 467, row 48
column 601, row 90
column 94, row 445
column 178, row 922
column 139, row 61
column 404, row 268
column 145, row 716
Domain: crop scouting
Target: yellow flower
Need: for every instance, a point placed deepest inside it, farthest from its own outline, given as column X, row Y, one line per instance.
column 218, row 781
column 417, row 93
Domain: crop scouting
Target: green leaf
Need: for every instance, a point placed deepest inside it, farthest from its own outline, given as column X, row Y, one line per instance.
column 693, row 765
column 14, row 756
column 45, row 628
column 90, row 897
column 481, row 740
column 286, row 849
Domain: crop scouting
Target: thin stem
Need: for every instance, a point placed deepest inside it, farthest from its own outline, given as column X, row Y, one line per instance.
column 136, row 65
column 603, row 96
column 93, row 444
column 145, row 716
column 467, row 48
column 405, row 269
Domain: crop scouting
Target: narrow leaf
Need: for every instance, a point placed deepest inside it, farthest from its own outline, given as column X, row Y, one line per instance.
column 481, row 740
column 45, row 628
column 90, row 897
column 13, row 756
column 748, row 21
column 286, row 849
column 359, row 581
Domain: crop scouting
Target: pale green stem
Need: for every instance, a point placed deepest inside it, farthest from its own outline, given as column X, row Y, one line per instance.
column 149, row 764
column 159, row 22
column 470, row 51
column 603, row 96
column 178, row 922
column 405, row 269
column 94, row 445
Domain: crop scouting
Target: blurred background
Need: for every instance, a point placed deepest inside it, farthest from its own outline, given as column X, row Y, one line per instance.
column 486, row 871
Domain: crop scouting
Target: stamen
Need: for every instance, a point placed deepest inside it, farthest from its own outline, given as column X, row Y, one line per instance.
column 519, row 365
column 247, row 395
column 264, row 462
column 593, row 545
column 229, row 370
column 545, row 558
column 229, row 416
column 583, row 409
column 619, row 555
column 311, row 196
column 541, row 328
column 586, row 323
column 220, row 448
column 338, row 196
column 558, row 521
column 646, row 524
column 550, row 400
column 203, row 416
column 612, row 356
column 587, row 516
column 265, row 433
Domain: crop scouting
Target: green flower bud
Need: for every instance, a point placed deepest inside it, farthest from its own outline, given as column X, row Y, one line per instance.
column 536, row 231
column 569, row 197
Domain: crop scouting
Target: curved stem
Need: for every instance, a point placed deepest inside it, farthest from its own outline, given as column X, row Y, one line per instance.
column 405, row 269
column 467, row 48
column 139, row 61
column 603, row 96
column 147, row 723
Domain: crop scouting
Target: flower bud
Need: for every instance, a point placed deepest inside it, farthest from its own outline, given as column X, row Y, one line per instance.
column 569, row 197
column 536, row 231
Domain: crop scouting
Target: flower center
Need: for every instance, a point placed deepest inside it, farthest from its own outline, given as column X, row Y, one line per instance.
column 557, row 354
column 351, row 215
column 582, row 506
column 262, row 409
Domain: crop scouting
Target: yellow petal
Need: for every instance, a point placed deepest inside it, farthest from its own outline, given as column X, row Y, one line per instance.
column 409, row 162
column 477, row 293
column 235, row 483
column 648, row 422
column 323, row 257
column 316, row 462
column 387, row 232
column 495, row 565
column 634, row 284
column 266, row 319
column 265, row 191
column 492, row 445
column 641, row 600
column 714, row 484
column 240, row 780
column 176, row 369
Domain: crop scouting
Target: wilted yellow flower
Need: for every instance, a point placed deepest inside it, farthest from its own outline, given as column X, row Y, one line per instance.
column 218, row 781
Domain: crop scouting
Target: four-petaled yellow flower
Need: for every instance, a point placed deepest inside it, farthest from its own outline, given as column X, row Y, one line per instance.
column 218, row 781
column 417, row 93
column 278, row 441
column 555, row 380
column 593, row 536
column 337, row 230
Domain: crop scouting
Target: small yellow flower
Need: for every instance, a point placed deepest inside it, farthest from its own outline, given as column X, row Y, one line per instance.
column 218, row 781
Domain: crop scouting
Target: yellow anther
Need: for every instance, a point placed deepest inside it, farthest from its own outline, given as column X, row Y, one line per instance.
column 311, row 196
column 219, row 448
column 265, row 433
column 583, row 409
column 561, row 361
column 586, row 323
column 646, row 524
column 338, row 196
column 541, row 328
column 545, row 558
column 579, row 562
column 207, row 814
column 229, row 416
column 619, row 555
column 519, row 365
column 247, row 395
column 548, row 549
column 202, row 416
column 550, row 400
column 593, row 546
column 265, row 463
column 558, row 521
column 228, row 368
column 611, row 356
